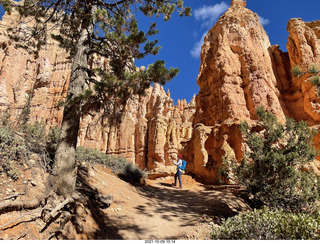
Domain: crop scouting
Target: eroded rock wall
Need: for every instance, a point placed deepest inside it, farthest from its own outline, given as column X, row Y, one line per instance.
column 303, row 50
column 149, row 134
column 44, row 77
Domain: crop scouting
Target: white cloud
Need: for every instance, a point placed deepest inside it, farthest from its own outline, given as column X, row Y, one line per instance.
column 208, row 15
column 196, row 50
column 263, row 21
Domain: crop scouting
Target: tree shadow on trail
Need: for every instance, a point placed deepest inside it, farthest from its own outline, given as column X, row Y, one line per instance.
column 165, row 206
column 191, row 206
column 166, row 184
column 107, row 229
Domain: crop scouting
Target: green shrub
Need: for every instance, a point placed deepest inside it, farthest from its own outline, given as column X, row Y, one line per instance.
column 5, row 119
column 25, row 114
column 91, row 155
column 12, row 149
column 37, row 141
column 267, row 224
column 313, row 73
column 52, row 140
column 120, row 166
column 35, row 136
column 17, row 142
column 272, row 165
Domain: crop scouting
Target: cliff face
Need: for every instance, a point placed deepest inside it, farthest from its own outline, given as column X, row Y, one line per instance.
column 239, row 71
column 44, row 77
column 303, row 49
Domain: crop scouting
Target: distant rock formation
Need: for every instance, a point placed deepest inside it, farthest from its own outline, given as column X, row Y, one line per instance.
column 239, row 71
column 150, row 132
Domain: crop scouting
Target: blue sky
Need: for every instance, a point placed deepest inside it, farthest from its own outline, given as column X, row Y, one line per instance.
column 181, row 38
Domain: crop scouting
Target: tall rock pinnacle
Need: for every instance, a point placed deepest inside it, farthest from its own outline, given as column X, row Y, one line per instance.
column 236, row 73
column 236, row 76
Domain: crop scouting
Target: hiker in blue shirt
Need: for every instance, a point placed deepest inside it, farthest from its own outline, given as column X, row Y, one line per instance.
column 181, row 165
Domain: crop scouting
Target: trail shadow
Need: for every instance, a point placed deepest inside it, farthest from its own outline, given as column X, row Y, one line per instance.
column 191, row 206
column 181, row 207
column 107, row 228
column 166, row 184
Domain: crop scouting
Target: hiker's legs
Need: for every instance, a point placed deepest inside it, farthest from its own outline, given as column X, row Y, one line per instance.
column 175, row 178
column 179, row 176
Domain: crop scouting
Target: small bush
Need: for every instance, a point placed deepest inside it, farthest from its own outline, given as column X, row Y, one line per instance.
column 17, row 142
column 267, row 224
column 35, row 136
column 91, row 155
column 5, row 119
column 52, row 140
column 12, row 149
column 120, row 166
column 36, row 140
column 313, row 72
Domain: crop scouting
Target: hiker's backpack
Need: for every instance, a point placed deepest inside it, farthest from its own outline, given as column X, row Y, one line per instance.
column 184, row 163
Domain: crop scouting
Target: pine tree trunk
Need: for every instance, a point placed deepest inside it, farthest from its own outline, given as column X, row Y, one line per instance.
column 64, row 172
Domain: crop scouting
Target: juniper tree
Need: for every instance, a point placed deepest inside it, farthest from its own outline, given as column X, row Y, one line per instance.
column 273, row 162
column 107, row 28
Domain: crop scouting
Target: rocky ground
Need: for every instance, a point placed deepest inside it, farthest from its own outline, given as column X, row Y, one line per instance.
column 155, row 210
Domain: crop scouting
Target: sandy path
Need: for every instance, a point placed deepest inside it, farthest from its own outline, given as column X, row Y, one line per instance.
column 159, row 211
column 155, row 210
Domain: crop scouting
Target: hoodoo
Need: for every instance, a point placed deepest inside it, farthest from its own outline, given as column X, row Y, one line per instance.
column 236, row 76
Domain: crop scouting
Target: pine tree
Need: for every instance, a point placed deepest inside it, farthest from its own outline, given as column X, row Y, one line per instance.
column 107, row 28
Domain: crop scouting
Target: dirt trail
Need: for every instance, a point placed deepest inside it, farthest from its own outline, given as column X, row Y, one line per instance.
column 153, row 211
column 160, row 211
